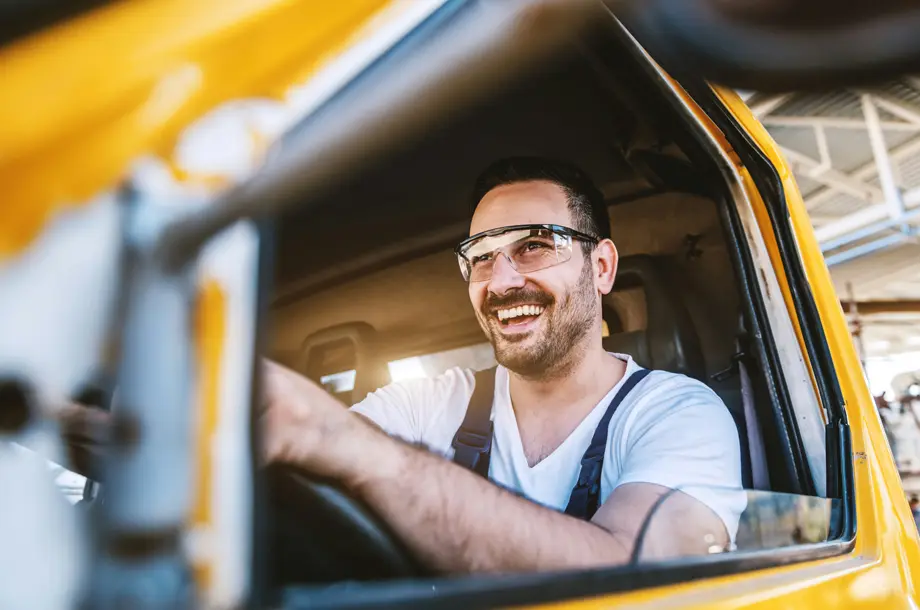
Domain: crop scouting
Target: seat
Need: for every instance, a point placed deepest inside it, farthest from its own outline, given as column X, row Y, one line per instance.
column 669, row 341
column 342, row 347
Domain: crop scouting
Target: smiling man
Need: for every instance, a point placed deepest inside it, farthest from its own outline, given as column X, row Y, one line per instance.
column 559, row 454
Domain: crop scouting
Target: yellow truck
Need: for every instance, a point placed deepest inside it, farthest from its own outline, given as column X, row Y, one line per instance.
column 187, row 185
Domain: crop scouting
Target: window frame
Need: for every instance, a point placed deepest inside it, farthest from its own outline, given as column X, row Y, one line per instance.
column 558, row 586
column 770, row 186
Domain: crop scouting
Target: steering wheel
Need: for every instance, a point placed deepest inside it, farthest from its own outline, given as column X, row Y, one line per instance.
column 318, row 533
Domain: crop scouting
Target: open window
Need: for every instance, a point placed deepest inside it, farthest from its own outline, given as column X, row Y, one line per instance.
column 697, row 294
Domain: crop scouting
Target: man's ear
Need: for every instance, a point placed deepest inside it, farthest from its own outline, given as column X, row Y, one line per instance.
column 605, row 264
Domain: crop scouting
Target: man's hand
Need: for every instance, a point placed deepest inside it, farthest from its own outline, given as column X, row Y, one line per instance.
column 86, row 433
column 304, row 426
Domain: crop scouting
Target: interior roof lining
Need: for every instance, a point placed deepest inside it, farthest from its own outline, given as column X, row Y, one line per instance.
column 418, row 246
column 565, row 112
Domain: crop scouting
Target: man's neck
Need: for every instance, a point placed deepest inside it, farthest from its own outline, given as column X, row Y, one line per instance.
column 549, row 409
column 594, row 373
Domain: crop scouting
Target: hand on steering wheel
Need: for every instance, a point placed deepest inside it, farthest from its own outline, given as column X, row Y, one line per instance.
column 319, row 532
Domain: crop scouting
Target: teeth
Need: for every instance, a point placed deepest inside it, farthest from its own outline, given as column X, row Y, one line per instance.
column 515, row 312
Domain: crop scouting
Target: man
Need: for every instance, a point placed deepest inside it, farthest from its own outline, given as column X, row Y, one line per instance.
column 536, row 292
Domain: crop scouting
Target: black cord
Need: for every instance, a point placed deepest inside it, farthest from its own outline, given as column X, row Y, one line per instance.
column 640, row 539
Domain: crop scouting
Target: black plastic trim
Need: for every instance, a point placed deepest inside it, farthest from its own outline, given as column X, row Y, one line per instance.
column 759, row 321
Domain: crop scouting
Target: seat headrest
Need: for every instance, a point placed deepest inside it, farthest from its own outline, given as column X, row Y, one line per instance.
column 669, row 342
column 371, row 374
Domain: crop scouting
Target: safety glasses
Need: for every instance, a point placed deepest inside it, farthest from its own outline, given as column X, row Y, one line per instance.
column 527, row 247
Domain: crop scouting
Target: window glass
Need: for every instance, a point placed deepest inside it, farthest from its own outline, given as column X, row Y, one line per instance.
column 476, row 357
column 339, row 382
column 68, row 482
column 757, row 521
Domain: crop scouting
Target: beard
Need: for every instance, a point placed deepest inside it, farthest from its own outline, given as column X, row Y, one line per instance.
column 555, row 346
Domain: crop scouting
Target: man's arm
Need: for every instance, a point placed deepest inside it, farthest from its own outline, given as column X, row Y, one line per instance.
column 455, row 520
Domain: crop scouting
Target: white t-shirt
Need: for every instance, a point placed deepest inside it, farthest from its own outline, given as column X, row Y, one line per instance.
column 670, row 430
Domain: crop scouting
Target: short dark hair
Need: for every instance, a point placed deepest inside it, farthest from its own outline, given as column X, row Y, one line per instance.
column 586, row 202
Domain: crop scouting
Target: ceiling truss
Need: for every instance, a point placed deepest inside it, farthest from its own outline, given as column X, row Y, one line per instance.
column 890, row 214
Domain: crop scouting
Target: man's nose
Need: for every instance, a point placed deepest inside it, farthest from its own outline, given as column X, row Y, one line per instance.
column 504, row 276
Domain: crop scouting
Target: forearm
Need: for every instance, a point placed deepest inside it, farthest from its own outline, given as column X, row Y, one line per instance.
column 458, row 522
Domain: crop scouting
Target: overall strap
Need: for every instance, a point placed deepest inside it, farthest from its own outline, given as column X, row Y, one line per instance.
column 583, row 502
column 473, row 441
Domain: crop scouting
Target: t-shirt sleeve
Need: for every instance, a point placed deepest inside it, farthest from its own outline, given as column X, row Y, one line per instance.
column 421, row 410
column 684, row 438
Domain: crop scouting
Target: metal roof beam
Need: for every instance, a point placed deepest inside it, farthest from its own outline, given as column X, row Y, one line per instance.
column 862, row 218
column 901, row 222
column 899, row 108
column 882, row 160
column 767, row 105
column 814, row 169
column 834, row 122
column 866, row 170
column 883, row 243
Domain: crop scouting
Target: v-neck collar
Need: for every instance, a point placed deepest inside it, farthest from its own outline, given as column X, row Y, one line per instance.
column 590, row 420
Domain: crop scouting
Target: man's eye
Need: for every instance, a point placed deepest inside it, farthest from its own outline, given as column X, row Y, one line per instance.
column 482, row 258
column 535, row 245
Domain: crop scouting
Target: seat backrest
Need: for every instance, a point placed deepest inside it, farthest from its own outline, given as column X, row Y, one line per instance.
column 669, row 340
column 361, row 339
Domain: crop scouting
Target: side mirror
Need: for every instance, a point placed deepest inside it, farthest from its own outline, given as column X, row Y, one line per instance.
column 778, row 45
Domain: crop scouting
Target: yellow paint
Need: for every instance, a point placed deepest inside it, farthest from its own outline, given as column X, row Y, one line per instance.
column 83, row 99
column 210, row 335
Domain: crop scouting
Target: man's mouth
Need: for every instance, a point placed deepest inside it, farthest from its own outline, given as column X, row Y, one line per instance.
column 518, row 317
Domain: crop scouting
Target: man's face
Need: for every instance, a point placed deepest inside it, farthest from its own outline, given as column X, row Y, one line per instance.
column 564, row 296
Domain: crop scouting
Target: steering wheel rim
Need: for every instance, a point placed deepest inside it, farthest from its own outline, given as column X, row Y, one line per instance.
column 319, row 533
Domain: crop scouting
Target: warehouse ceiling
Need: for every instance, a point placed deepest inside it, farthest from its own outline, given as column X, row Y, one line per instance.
column 856, row 157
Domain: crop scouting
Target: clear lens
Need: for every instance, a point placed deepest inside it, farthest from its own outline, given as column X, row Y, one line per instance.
column 527, row 249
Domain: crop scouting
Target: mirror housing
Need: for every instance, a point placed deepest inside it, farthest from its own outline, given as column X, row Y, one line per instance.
column 778, row 45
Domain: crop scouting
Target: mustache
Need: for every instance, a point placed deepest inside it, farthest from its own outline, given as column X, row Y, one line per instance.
column 521, row 296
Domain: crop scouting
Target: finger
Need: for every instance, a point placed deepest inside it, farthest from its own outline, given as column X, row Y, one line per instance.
column 80, row 421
